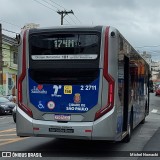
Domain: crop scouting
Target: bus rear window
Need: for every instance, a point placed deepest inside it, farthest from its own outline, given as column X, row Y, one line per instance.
column 64, row 46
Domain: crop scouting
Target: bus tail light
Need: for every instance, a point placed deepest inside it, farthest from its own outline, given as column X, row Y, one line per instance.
column 109, row 79
column 21, row 78
column 110, row 103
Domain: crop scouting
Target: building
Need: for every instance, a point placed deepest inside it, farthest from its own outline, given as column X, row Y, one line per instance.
column 154, row 67
column 155, row 71
column 147, row 57
column 8, row 69
column 8, row 62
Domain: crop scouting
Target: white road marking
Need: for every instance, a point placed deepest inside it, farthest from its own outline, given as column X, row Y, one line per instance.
column 154, row 111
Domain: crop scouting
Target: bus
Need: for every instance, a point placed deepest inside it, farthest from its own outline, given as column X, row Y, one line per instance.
column 80, row 83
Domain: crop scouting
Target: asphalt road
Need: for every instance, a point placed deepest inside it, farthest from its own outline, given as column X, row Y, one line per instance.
column 62, row 149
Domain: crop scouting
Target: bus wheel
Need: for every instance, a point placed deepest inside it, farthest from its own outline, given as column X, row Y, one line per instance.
column 2, row 112
column 143, row 121
column 130, row 128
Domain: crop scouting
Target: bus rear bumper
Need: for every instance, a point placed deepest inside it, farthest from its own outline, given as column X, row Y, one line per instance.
column 27, row 126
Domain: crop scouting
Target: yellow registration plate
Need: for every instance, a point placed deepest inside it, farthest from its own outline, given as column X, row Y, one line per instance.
column 67, row 89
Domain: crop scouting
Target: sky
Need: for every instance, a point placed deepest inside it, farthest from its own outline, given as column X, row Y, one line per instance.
column 137, row 20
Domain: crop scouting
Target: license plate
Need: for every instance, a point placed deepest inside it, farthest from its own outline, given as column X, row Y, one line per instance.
column 62, row 130
column 62, row 117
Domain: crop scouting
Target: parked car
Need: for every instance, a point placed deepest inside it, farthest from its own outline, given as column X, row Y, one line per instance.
column 11, row 98
column 157, row 91
column 14, row 113
column 6, row 106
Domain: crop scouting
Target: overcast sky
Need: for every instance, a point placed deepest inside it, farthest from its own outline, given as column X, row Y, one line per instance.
column 137, row 20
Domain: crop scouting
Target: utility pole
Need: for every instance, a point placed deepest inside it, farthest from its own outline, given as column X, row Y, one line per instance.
column 63, row 14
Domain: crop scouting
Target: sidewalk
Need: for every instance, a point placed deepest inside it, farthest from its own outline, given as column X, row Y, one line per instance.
column 153, row 145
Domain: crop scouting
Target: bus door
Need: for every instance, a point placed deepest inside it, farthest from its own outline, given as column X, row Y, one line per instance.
column 126, row 93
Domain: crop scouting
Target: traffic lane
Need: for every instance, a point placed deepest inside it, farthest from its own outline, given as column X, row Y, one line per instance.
column 8, row 133
column 51, row 143
column 6, row 122
column 8, row 136
column 82, row 148
column 78, row 148
column 153, row 143
column 68, row 149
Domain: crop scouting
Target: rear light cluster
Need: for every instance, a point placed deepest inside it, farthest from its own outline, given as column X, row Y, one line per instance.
column 110, row 80
column 21, row 78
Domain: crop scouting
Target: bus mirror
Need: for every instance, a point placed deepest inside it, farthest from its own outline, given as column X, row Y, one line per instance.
column 18, row 38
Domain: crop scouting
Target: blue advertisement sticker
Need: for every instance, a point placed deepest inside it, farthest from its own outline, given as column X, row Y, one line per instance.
column 64, row 98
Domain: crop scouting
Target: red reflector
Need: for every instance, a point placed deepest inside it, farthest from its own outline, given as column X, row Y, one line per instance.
column 36, row 129
column 88, row 130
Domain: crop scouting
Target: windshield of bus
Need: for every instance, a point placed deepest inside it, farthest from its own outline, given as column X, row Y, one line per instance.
column 64, row 46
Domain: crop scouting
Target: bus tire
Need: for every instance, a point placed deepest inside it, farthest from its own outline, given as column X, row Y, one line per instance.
column 2, row 111
column 143, row 121
column 130, row 129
